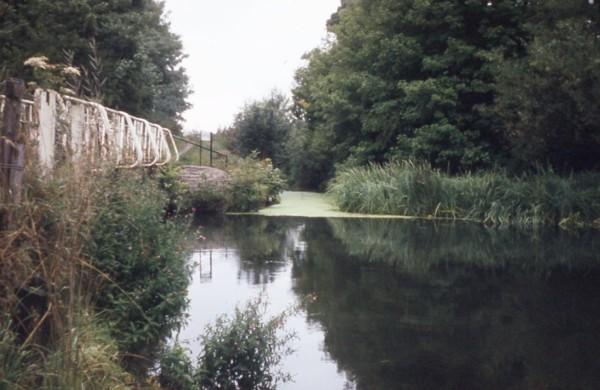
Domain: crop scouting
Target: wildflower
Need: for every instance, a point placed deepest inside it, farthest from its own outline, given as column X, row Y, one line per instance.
column 38, row 62
column 71, row 71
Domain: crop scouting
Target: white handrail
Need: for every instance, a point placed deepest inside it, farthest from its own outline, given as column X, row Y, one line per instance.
column 117, row 133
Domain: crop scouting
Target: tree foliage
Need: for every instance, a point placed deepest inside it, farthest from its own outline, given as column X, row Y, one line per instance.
column 410, row 79
column 463, row 85
column 140, row 56
column 262, row 126
column 548, row 99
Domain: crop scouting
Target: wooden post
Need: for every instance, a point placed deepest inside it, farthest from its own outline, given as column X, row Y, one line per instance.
column 211, row 149
column 12, row 149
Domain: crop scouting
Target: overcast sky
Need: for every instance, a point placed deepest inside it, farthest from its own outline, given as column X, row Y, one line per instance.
column 239, row 50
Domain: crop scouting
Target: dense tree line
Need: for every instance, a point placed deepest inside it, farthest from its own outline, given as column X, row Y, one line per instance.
column 409, row 79
column 462, row 84
column 125, row 42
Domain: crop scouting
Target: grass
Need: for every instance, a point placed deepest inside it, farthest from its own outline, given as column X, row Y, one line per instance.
column 492, row 198
column 88, row 264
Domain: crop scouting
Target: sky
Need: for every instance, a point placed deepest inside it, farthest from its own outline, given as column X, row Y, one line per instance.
column 240, row 50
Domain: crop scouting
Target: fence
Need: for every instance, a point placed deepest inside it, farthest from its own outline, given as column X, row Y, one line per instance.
column 67, row 127
column 58, row 128
column 212, row 154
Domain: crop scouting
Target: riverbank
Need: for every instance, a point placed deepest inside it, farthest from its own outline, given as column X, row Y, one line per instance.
column 492, row 198
column 93, row 280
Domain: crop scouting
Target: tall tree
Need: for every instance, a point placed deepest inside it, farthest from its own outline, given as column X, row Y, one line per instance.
column 410, row 78
column 263, row 126
column 548, row 100
column 141, row 57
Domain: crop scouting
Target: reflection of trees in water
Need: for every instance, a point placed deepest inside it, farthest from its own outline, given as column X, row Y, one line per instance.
column 459, row 311
column 419, row 246
column 264, row 245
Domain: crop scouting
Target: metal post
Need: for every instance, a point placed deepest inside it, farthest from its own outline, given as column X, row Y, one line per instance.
column 211, row 149
column 12, row 149
column 200, row 151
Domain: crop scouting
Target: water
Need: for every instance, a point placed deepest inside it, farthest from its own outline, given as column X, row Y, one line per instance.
column 411, row 305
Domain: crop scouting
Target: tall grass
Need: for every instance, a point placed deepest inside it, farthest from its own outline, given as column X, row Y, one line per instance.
column 45, row 281
column 90, row 274
column 494, row 198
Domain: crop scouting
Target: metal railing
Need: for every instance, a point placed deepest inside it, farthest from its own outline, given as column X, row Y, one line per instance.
column 89, row 129
column 212, row 154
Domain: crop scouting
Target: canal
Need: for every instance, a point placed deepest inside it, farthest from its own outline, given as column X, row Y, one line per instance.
column 397, row 304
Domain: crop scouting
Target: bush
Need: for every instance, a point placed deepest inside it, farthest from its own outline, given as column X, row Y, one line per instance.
column 207, row 199
column 176, row 369
column 171, row 185
column 145, row 274
column 494, row 198
column 255, row 183
column 243, row 352
column 80, row 237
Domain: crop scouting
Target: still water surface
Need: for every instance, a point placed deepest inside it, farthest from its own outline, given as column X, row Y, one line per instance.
column 411, row 305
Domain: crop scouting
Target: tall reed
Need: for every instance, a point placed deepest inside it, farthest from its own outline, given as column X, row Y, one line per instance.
column 494, row 198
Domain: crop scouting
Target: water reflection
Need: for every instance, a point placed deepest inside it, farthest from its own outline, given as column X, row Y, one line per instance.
column 405, row 305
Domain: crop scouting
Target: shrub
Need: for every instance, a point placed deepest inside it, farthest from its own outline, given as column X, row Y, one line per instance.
column 243, row 352
column 494, row 198
column 207, row 199
column 169, row 182
column 176, row 369
column 255, row 183
column 145, row 273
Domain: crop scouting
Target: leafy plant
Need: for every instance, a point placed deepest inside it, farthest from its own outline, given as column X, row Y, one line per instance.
column 144, row 268
column 169, row 182
column 255, row 183
column 207, row 199
column 244, row 351
column 176, row 369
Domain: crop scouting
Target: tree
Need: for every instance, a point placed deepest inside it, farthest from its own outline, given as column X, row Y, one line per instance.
column 408, row 78
column 262, row 126
column 141, row 57
column 548, row 99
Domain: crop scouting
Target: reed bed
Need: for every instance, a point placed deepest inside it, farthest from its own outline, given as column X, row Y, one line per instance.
column 493, row 198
